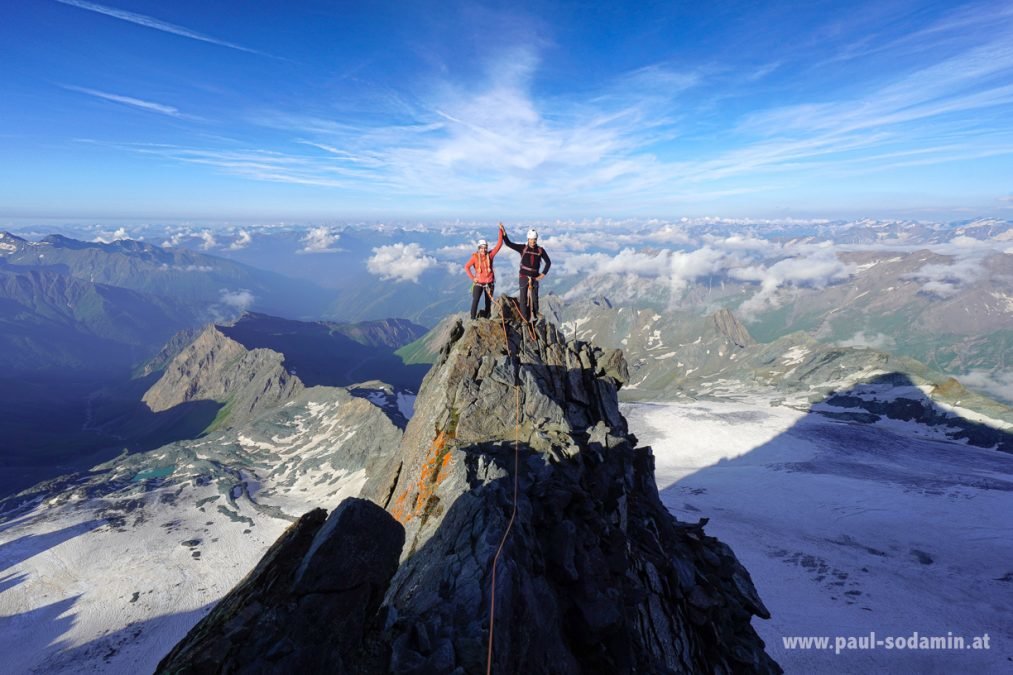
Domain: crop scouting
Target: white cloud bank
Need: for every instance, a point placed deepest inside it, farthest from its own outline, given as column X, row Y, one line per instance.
column 946, row 280
column 400, row 262
column 996, row 384
column 110, row 237
column 816, row 270
column 240, row 300
column 674, row 269
column 879, row 341
column 320, row 240
column 208, row 240
column 243, row 239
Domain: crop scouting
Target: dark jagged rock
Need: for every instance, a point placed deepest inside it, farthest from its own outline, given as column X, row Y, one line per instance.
column 308, row 604
column 595, row 575
column 895, row 396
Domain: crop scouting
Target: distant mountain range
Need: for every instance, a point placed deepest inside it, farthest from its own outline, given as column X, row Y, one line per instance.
column 953, row 314
column 183, row 275
column 955, row 325
column 67, row 304
column 50, row 321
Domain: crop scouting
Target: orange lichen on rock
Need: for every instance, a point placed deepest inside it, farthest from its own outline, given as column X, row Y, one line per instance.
column 433, row 473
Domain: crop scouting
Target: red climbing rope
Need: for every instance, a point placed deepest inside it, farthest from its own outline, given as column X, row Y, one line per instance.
column 513, row 512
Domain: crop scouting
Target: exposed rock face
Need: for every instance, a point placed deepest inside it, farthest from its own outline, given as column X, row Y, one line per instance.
column 469, row 398
column 308, row 605
column 595, row 574
column 176, row 344
column 732, row 328
column 216, row 367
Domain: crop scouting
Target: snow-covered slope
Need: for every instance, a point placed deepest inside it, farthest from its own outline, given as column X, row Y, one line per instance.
column 847, row 527
column 106, row 571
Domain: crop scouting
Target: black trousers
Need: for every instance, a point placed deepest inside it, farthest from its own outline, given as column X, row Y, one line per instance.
column 477, row 291
column 527, row 312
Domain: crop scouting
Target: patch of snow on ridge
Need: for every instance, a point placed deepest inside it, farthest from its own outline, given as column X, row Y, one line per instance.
column 406, row 404
column 795, row 355
column 846, row 528
column 1006, row 300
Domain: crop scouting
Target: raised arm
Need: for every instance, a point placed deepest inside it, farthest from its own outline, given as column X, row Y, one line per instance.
column 499, row 245
column 506, row 240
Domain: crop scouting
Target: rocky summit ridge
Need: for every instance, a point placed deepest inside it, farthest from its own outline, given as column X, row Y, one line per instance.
column 595, row 574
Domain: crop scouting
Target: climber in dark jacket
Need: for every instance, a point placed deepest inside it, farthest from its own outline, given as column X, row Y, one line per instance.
column 532, row 256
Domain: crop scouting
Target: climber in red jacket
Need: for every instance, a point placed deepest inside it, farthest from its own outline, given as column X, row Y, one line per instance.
column 532, row 257
column 483, row 278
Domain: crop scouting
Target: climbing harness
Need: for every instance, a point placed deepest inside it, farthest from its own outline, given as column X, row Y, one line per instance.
column 483, row 265
column 535, row 254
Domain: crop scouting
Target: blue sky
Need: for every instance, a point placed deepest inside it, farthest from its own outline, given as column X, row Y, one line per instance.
column 311, row 110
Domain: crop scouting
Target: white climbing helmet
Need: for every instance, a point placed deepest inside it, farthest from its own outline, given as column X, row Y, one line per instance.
column 532, row 234
column 483, row 242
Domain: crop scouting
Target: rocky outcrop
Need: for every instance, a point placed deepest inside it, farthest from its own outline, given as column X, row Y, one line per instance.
column 488, row 387
column 307, row 606
column 596, row 575
column 10, row 243
column 518, row 428
column 176, row 344
column 727, row 325
column 216, row 367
